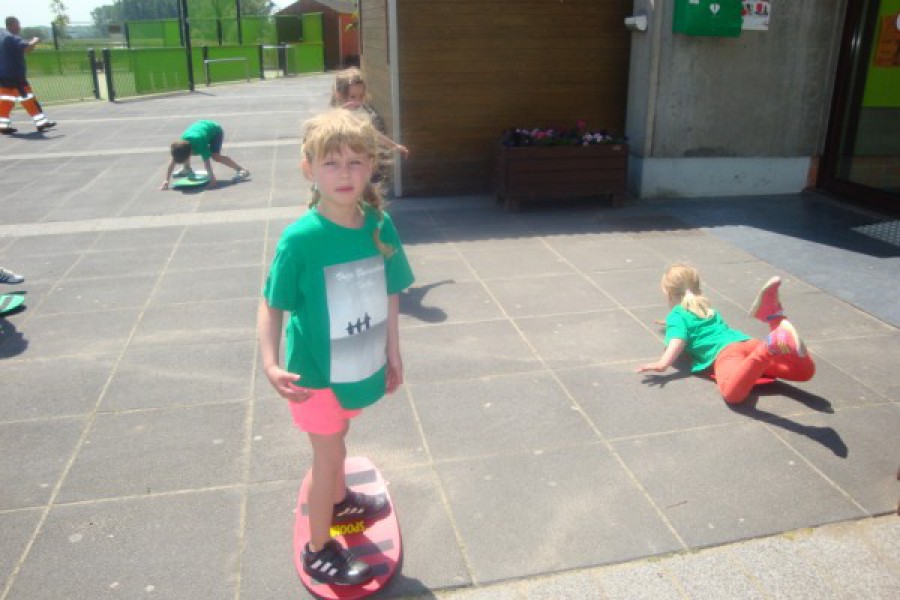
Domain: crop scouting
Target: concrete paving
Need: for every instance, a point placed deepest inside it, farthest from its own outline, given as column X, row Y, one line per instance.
column 143, row 454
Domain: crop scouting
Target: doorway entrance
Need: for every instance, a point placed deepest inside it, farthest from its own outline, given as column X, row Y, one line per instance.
column 861, row 161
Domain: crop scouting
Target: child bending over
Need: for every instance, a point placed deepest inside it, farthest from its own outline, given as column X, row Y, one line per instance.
column 204, row 139
column 736, row 360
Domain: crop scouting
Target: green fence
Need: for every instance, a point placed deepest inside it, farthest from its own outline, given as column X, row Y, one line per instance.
column 226, row 63
column 313, row 28
column 158, row 70
column 61, row 76
column 69, row 75
column 217, row 32
column 153, row 34
column 306, row 58
column 119, row 71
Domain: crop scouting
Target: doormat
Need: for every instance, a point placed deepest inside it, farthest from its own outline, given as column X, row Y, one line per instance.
column 886, row 231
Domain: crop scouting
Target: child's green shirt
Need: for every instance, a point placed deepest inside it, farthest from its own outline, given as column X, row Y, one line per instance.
column 200, row 135
column 335, row 283
column 704, row 338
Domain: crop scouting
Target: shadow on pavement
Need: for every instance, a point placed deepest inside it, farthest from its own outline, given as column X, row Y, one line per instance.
column 12, row 341
column 411, row 303
column 826, row 436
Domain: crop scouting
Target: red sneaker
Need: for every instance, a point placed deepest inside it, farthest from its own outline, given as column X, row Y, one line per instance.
column 784, row 340
column 767, row 306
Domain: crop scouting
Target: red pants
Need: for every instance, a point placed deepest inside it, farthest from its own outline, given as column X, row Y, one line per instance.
column 739, row 365
column 10, row 94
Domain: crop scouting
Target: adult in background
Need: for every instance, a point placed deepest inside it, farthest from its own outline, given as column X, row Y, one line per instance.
column 14, row 86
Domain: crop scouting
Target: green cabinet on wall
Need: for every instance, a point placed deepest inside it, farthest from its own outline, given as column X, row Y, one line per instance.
column 716, row 18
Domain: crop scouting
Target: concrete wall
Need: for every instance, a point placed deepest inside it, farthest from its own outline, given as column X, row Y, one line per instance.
column 731, row 116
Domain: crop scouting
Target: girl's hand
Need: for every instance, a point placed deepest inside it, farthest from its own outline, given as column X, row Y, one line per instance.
column 657, row 367
column 403, row 150
column 394, row 377
column 284, row 383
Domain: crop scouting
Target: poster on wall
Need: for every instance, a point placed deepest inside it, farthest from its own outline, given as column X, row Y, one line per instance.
column 887, row 45
column 756, row 16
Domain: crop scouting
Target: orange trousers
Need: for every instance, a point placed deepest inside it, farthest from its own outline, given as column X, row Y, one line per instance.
column 22, row 93
column 739, row 365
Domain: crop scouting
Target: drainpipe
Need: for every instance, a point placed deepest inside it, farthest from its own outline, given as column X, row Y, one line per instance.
column 393, row 59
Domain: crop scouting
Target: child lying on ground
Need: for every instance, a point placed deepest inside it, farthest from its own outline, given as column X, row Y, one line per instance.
column 736, row 360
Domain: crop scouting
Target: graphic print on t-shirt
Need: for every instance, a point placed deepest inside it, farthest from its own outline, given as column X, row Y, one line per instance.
column 357, row 310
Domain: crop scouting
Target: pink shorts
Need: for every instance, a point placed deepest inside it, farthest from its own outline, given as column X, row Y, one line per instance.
column 322, row 414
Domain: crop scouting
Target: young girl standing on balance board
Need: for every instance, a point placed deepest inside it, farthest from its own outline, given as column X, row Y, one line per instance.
column 737, row 361
column 338, row 271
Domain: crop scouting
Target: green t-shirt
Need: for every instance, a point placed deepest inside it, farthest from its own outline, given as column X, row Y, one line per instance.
column 200, row 135
column 335, row 283
column 704, row 338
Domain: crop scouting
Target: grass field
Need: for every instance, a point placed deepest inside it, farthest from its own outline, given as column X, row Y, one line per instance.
column 52, row 89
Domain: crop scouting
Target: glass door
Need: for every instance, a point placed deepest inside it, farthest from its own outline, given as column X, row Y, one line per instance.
column 862, row 154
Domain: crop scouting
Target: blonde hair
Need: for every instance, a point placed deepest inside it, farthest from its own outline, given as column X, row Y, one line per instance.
column 681, row 284
column 342, row 82
column 329, row 133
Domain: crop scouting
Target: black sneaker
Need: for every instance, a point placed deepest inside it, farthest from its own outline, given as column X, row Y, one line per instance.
column 357, row 506
column 45, row 126
column 8, row 130
column 335, row 566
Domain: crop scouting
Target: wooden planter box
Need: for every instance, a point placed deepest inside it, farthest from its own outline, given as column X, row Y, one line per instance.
column 535, row 173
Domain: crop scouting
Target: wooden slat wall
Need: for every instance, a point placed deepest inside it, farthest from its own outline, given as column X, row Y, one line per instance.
column 374, row 59
column 471, row 68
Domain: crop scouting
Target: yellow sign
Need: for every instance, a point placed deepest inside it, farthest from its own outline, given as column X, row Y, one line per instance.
column 348, row 528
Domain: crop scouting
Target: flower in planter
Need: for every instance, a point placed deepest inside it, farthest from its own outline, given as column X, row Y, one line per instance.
column 580, row 135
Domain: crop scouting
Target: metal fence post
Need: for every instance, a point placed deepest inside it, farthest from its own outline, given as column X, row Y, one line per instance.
column 107, row 69
column 282, row 59
column 262, row 63
column 92, row 61
column 186, row 36
column 240, row 31
column 204, row 53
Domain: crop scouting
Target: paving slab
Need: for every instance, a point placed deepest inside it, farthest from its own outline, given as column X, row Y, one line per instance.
column 36, row 454
column 719, row 484
column 159, row 376
column 142, row 452
column 136, row 548
column 73, row 389
column 500, row 415
column 592, row 512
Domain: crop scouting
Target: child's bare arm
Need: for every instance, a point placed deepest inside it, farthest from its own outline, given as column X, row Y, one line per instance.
column 268, row 324
column 392, row 145
column 671, row 353
column 209, row 172
column 169, row 169
column 395, row 362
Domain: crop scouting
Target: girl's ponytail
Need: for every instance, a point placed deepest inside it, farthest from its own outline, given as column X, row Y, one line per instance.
column 696, row 304
column 373, row 198
column 681, row 284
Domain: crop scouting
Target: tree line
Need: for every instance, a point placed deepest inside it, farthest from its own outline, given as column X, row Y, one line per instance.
column 144, row 10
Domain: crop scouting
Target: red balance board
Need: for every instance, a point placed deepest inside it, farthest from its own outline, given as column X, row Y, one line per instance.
column 376, row 542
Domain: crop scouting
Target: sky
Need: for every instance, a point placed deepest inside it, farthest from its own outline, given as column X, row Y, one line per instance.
column 32, row 13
